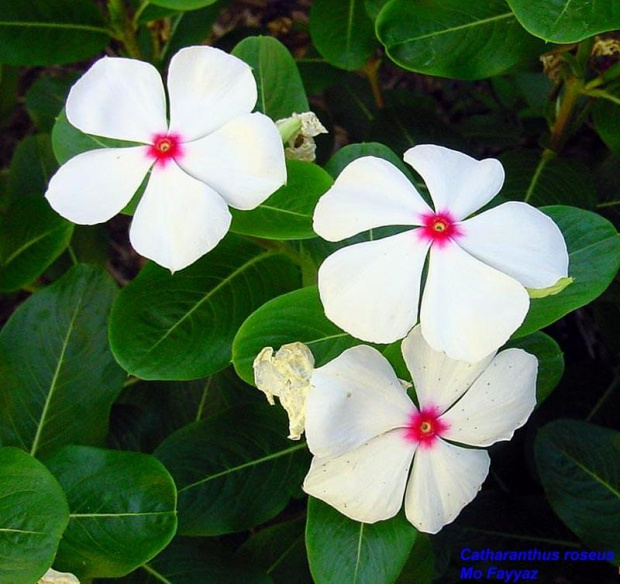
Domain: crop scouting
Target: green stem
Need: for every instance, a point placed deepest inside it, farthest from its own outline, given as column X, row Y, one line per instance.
column 561, row 127
column 138, row 13
column 546, row 156
column 607, row 204
column 124, row 28
column 371, row 69
column 604, row 397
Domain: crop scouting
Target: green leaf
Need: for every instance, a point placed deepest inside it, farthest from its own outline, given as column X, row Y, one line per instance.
column 420, row 565
column 46, row 98
column 48, row 32
column 123, row 510
column 280, row 90
column 550, row 361
column 183, row 4
column 342, row 550
column 579, row 467
column 57, row 373
column 287, row 214
column 296, row 316
column 450, row 38
column 234, row 470
column 182, row 326
column 567, row 21
column 32, row 166
column 191, row 560
column 351, row 103
column 32, row 236
column 342, row 32
column 606, row 118
column 33, row 516
column 594, row 258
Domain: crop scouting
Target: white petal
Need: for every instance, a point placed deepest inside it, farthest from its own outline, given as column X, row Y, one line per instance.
column 444, row 479
column 207, row 88
column 119, row 98
column 372, row 289
column 368, row 483
column 178, row 220
column 354, row 398
column 370, row 192
column 500, row 401
column 243, row 160
column 519, row 240
column 94, row 186
column 456, row 182
column 469, row 309
column 439, row 381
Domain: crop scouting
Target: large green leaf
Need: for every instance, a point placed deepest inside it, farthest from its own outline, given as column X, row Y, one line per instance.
column 287, row 214
column 123, row 510
column 296, row 316
column 420, row 565
column 183, row 4
column 579, row 466
column 58, row 378
column 594, row 258
column 342, row 32
column 234, row 470
column 33, row 516
column 351, row 152
column 47, row 32
column 342, row 550
column 606, row 118
column 32, row 166
column 182, row 326
column 192, row 560
column 452, row 38
column 32, row 236
column 46, row 98
column 280, row 90
column 567, row 21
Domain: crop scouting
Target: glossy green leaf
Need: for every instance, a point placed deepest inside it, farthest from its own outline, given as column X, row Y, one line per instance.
column 46, row 98
column 32, row 236
column 123, row 510
column 287, row 214
column 420, row 565
column 567, row 21
column 183, row 4
column 57, row 374
column 606, row 118
column 352, row 106
column 296, row 316
column 579, row 467
column 33, row 515
column 342, row 32
column 450, row 38
column 47, row 32
column 280, row 90
column 182, row 326
column 594, row 258
column 234, row 470
column 191, row 560
column 343, row 550
column 32, row 166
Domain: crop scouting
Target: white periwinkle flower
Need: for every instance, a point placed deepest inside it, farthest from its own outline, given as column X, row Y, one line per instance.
column 366, row 434
column 211, row 153
column 474, row 297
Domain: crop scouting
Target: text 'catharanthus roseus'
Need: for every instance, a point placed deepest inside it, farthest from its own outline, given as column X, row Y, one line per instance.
column 211, row 152
column 475, row 293
column 373, row 447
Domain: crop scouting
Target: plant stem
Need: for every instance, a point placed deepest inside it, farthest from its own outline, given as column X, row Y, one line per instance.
column 560, row 130
column 608, row 204
column 371, row 69
column 124, row 27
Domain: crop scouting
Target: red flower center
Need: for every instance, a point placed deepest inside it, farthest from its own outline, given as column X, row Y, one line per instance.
column 165, row 147
column 425, row 427
column 439, row 228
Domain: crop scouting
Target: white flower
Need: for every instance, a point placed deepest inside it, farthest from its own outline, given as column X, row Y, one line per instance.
column 364, row 431
column 474, row 297
column 210, row 154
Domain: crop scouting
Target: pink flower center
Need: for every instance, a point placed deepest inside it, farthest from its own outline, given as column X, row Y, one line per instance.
column 439, row 228
column 425, row 427
column 165, row 147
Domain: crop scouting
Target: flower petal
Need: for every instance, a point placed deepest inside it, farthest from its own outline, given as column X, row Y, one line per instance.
column 207, row 88
column 243, row 161
column 469, row 309
column 456, row 182
column 372, row 289
column 119, row 98
column 439, row 381
column 178, row 220
column 518, row 240
column 444, row 479
column 500, row 401
column 368, row 483
column 94, row 186
column 354, row 398
column 370, row 192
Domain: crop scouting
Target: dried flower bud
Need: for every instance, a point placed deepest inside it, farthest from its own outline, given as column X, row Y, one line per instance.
column 298, row 133
column 54, row 577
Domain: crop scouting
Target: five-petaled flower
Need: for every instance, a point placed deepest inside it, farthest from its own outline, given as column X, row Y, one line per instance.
column 212, row 152
column 366, row 434
column 475, row 293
